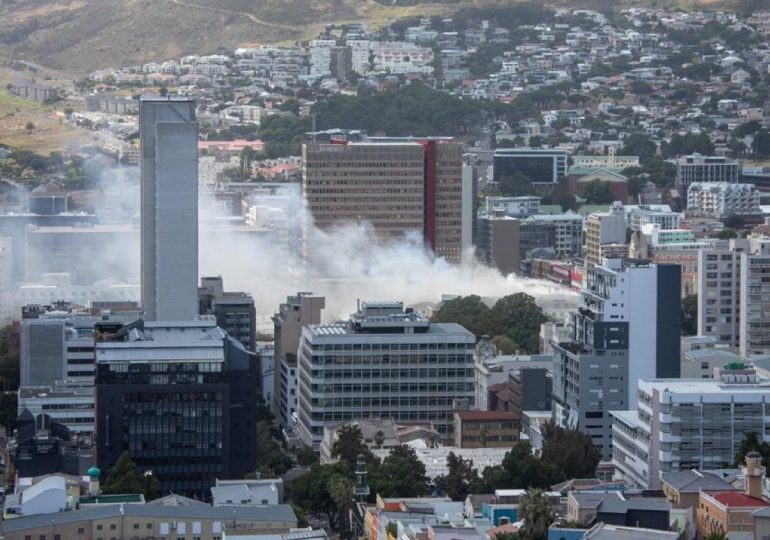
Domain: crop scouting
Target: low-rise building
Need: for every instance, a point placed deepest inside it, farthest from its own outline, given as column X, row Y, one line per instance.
column 486, row 429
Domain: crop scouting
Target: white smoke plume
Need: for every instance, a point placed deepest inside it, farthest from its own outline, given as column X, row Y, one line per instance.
column 347, row 265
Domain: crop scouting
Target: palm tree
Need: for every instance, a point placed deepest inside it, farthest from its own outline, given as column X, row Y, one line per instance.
column 341, row 491
column 716, row 536
column 536, row 512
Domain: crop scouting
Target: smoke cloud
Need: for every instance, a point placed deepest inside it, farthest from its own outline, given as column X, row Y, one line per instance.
column 346, row 264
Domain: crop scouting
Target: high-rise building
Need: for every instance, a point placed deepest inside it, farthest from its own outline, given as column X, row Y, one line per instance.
column 300, row 310
column 754, row 324
column 234, row 311
column 604, row 230
column 384, row 362
column 722, row 199
column 626, row 328
column 398, row 185
column 540, row 165
column 688, row 424
column 180, row 398
column 698, row 168
column 168, row 135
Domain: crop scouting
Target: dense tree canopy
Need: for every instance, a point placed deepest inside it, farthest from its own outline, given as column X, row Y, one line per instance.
column 751, row 443
column 689, row 324
column 515, row 316
column 570, row 450
column 460, row 480
column 123, row 477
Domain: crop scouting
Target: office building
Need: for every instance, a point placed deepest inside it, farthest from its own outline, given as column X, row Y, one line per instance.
column 180, row 398
column 676, row 246
column 57, row 363
column 688, row 424
column 732, row 293
column 754, row 324
column 234, row 311
column 568, row 230
column 664, row 219
column 698, row 168
column 540, row 165
column 300, row 310
column 604, row 231
column 385, row 361
column 719, row 289
column 168, row 135
column 722, row 199
column 398, row 185
column 518, row 207
column 498, row 243
column 626, row 328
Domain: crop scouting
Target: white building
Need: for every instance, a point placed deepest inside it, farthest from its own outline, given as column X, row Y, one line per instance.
column 722, row 199
column 639, row 216
column 259, row 492
column 604, row 229
column 684, row 424
column 321, row 57
column 569, row 232
column 384, row 362
column 527, row 205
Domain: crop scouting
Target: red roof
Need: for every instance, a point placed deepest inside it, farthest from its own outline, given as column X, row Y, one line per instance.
column 733, row 499
column 486, row 415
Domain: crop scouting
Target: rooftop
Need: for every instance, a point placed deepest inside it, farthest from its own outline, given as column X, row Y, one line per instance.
column 693, row 481
column 486, row 415
column 277, row 513
column 737, row 499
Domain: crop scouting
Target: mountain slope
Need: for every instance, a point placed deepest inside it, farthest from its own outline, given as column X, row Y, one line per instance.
column 82, row 35
column 78, row 36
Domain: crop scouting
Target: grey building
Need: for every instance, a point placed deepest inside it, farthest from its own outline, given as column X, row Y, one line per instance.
column 299, row 310
column 619, row 334
column 540, row 165
column 698, row 168
column 169, row 200
column 234, row 311
column 386, row 362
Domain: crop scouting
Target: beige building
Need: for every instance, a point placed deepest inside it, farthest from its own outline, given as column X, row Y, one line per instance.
column 144, row 521
column 605, row 232
column 399, row 186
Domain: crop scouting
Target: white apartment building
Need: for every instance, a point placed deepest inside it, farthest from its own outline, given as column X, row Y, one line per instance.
column 603, row 229
column 722, row 199
column 321, row 57
column 684, row 424
column 639, row 216
column 384, row 362
column 754, row 323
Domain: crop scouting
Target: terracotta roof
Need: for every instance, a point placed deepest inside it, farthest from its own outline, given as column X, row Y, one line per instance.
column 736, row 499
column 486, row 415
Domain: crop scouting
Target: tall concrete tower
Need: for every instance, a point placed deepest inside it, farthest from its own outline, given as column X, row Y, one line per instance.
column 169, row 194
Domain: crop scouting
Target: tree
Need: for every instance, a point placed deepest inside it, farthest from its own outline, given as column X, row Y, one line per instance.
column 560, row 195
column 640, row 145
column 521, row 470
column 517, row 185
column 505, row 345
column 715, row 536
column 597, row 192
column 735, row 221
column 750, row 443
column 689, row 312
column 29, row 127
column 341, row 491
column 571, row 450
column 469, row 312
column 761, row 144
column 312, row 491
column 461, row 478
column 306, row 456
column 536, row 512
column 123, row 477
column 349, row 444
column 521, row 317
column 403, row 474
column 726, row 234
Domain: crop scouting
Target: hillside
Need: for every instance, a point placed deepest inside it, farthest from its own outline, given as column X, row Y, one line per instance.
column 78, row 36
column 82, row 35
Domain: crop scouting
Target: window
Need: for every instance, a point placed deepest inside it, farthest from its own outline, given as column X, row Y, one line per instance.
column 113, row 527
column 81, row 530
column 136, row 525
column 99, row 527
